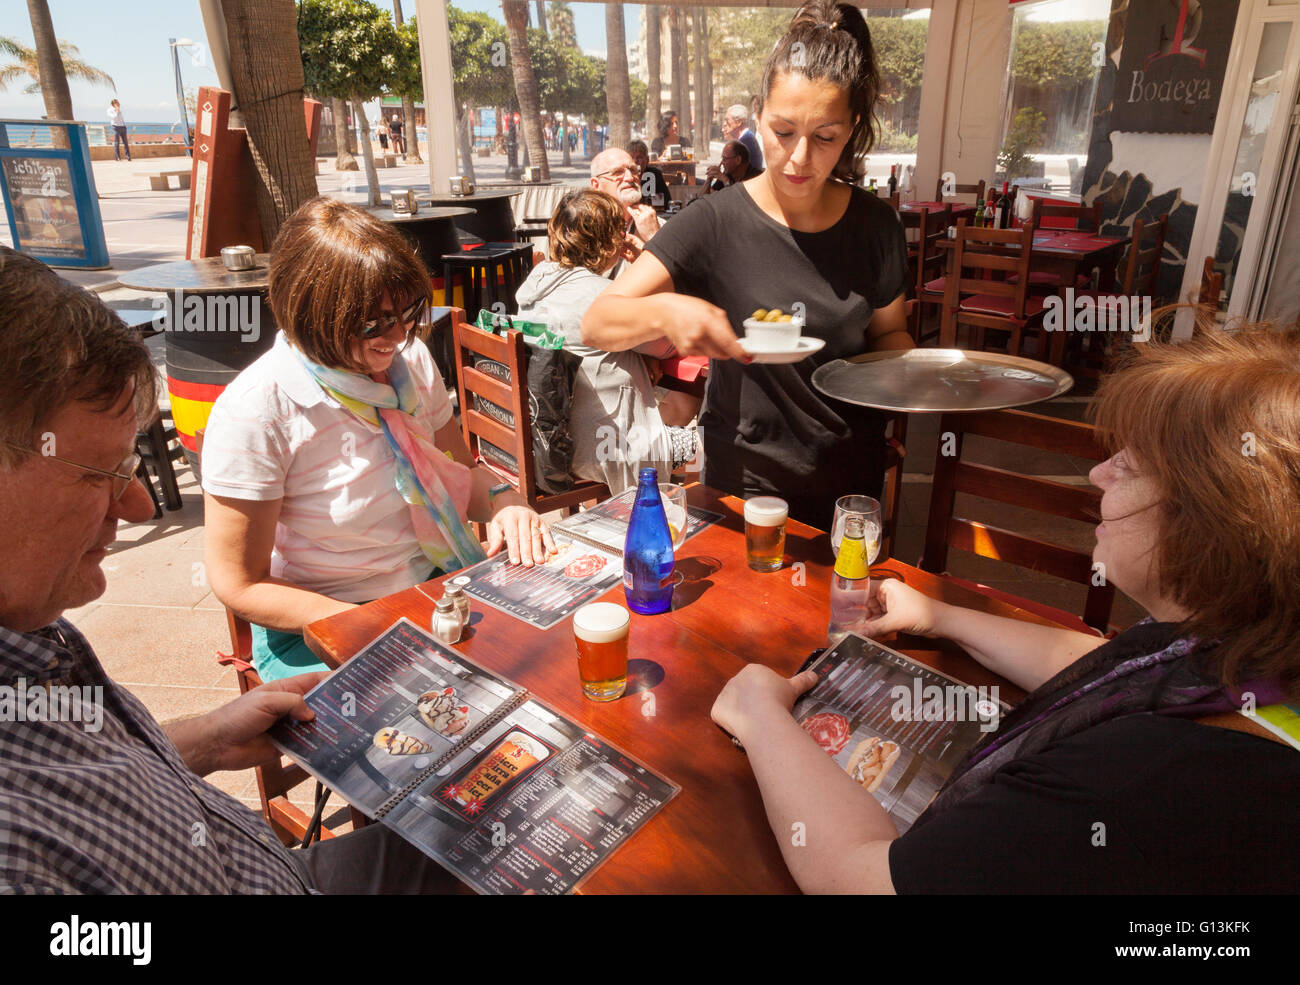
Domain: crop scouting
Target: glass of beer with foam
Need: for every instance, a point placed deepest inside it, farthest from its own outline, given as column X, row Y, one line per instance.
column 765, row 518
column 600, row 632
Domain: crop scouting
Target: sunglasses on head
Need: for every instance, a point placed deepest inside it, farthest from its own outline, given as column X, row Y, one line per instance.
column 384, row 324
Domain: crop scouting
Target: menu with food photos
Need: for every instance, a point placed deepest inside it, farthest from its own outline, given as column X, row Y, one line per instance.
column 507, row 794
column 588, row 563
column 895, row 726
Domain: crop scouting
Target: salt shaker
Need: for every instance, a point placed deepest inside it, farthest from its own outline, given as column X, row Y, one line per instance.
column 446, row 621
column 458, row 596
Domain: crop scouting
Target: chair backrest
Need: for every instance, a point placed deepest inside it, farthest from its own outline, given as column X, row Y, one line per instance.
column 1142, row 266
column 931, row 226
column 978, row 251
column 495, row 414
column 976, row 189
column 952, row 475
column 1054, row 214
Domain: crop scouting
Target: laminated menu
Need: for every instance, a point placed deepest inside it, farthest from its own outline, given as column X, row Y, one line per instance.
column 507, row 794
column 588, row 564
column 895, row 726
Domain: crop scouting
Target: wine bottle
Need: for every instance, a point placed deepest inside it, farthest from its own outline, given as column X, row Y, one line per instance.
column 648, row 550
column 893, row 180
column 1004, row 206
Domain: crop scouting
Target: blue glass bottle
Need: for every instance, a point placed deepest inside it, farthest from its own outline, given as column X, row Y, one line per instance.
column 648, row 552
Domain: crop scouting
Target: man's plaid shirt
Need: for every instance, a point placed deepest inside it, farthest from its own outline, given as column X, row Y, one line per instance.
column 115, row 811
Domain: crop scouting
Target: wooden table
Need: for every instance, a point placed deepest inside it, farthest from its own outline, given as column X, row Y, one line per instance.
column 959, row 210
column 713, row 837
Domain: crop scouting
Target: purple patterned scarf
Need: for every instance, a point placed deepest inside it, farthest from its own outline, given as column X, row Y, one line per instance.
column 1147, row 669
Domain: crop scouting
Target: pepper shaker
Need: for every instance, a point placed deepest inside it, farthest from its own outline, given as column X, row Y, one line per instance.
column 460, row 600
column 446, row 621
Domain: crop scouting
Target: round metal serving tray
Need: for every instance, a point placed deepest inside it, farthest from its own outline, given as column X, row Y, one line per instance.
column 940, row 380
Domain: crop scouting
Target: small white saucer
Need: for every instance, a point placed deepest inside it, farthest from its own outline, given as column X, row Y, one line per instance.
column 804, row 347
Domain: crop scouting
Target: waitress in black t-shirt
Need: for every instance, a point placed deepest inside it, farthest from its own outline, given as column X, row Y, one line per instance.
column 799, row 237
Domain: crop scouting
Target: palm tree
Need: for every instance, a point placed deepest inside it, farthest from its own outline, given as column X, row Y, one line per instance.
column 51, row 79
column 411, row 138
column 654, row 88
column 24, row 64
column 267, row 78
column 681, row 78
column 541, row 15
column 562, row 29
column 703, row 111
column 521, row 66
column 618, row 87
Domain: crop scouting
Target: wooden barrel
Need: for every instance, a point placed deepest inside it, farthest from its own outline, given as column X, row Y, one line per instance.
column 207, row 346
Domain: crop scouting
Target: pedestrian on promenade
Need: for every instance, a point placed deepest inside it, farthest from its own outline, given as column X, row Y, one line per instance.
column 118, row 123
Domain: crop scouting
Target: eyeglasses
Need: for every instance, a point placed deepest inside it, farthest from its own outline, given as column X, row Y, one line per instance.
column 618, row 174
column 124, row 473
column 384, row 324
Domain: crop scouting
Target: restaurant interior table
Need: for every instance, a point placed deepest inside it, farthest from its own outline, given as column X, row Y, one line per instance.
column 492, row 218
column 959, row 210
column 714, row 836
column 1066, row 252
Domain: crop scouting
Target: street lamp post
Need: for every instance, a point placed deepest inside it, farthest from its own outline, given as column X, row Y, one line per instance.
column 180, row 90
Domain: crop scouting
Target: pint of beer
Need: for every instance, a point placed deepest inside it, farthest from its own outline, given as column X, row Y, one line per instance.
column 765, row 532
column 600, row 631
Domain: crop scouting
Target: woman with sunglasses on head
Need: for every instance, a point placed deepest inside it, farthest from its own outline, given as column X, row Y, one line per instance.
column 800, row 237
column 334, row 471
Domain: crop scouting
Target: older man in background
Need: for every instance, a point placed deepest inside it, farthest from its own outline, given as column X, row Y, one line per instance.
column 112, row 801
column 734, row 128
column 614, row 172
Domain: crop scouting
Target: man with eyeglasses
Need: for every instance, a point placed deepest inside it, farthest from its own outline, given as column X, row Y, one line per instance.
column 734, row 128
column 114, row 807
column 614, row 172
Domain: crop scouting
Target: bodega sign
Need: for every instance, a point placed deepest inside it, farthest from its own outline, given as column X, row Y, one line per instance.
column 1171, row 65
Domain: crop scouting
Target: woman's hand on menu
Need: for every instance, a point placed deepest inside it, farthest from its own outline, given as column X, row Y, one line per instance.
column 524, row 534
column 895, row 607
column 755, row 693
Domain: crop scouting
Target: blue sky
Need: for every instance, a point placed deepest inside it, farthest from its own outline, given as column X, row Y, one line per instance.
column 129, row 41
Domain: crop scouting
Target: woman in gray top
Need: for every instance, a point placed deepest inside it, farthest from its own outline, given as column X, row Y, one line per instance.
column 615, row 419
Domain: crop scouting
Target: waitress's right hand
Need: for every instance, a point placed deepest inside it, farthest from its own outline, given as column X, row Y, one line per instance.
column 697, row 328
column 895, row 607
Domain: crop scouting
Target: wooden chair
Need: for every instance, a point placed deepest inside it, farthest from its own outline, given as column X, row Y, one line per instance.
column 926, row 259
column 1064, row 217
column 891, row 496
column 504, row 441
column 952, row 475
column 973, row 298
column 1141, row 272
column 1211, row 287
column 977, row 190
column 274, row 781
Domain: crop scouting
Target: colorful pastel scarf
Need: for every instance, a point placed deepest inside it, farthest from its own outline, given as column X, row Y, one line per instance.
column 436, row 488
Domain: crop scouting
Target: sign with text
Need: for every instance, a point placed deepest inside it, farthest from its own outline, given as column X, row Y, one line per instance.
column 50, row 198
column 1172, row 64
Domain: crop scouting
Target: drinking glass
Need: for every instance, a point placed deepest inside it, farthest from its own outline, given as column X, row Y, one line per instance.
column 765, row 518
column 600, row 634
column 869, row 510
column 674, row 497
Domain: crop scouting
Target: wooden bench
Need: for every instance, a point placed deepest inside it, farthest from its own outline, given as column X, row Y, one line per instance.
column 161, row 181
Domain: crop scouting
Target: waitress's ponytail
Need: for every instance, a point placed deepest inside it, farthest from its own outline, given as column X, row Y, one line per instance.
column 829, row 41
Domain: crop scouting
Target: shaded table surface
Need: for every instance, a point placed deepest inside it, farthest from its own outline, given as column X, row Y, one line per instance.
column 207, row 275
column 940, row 380
column 713, row 837
column 386, row 214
